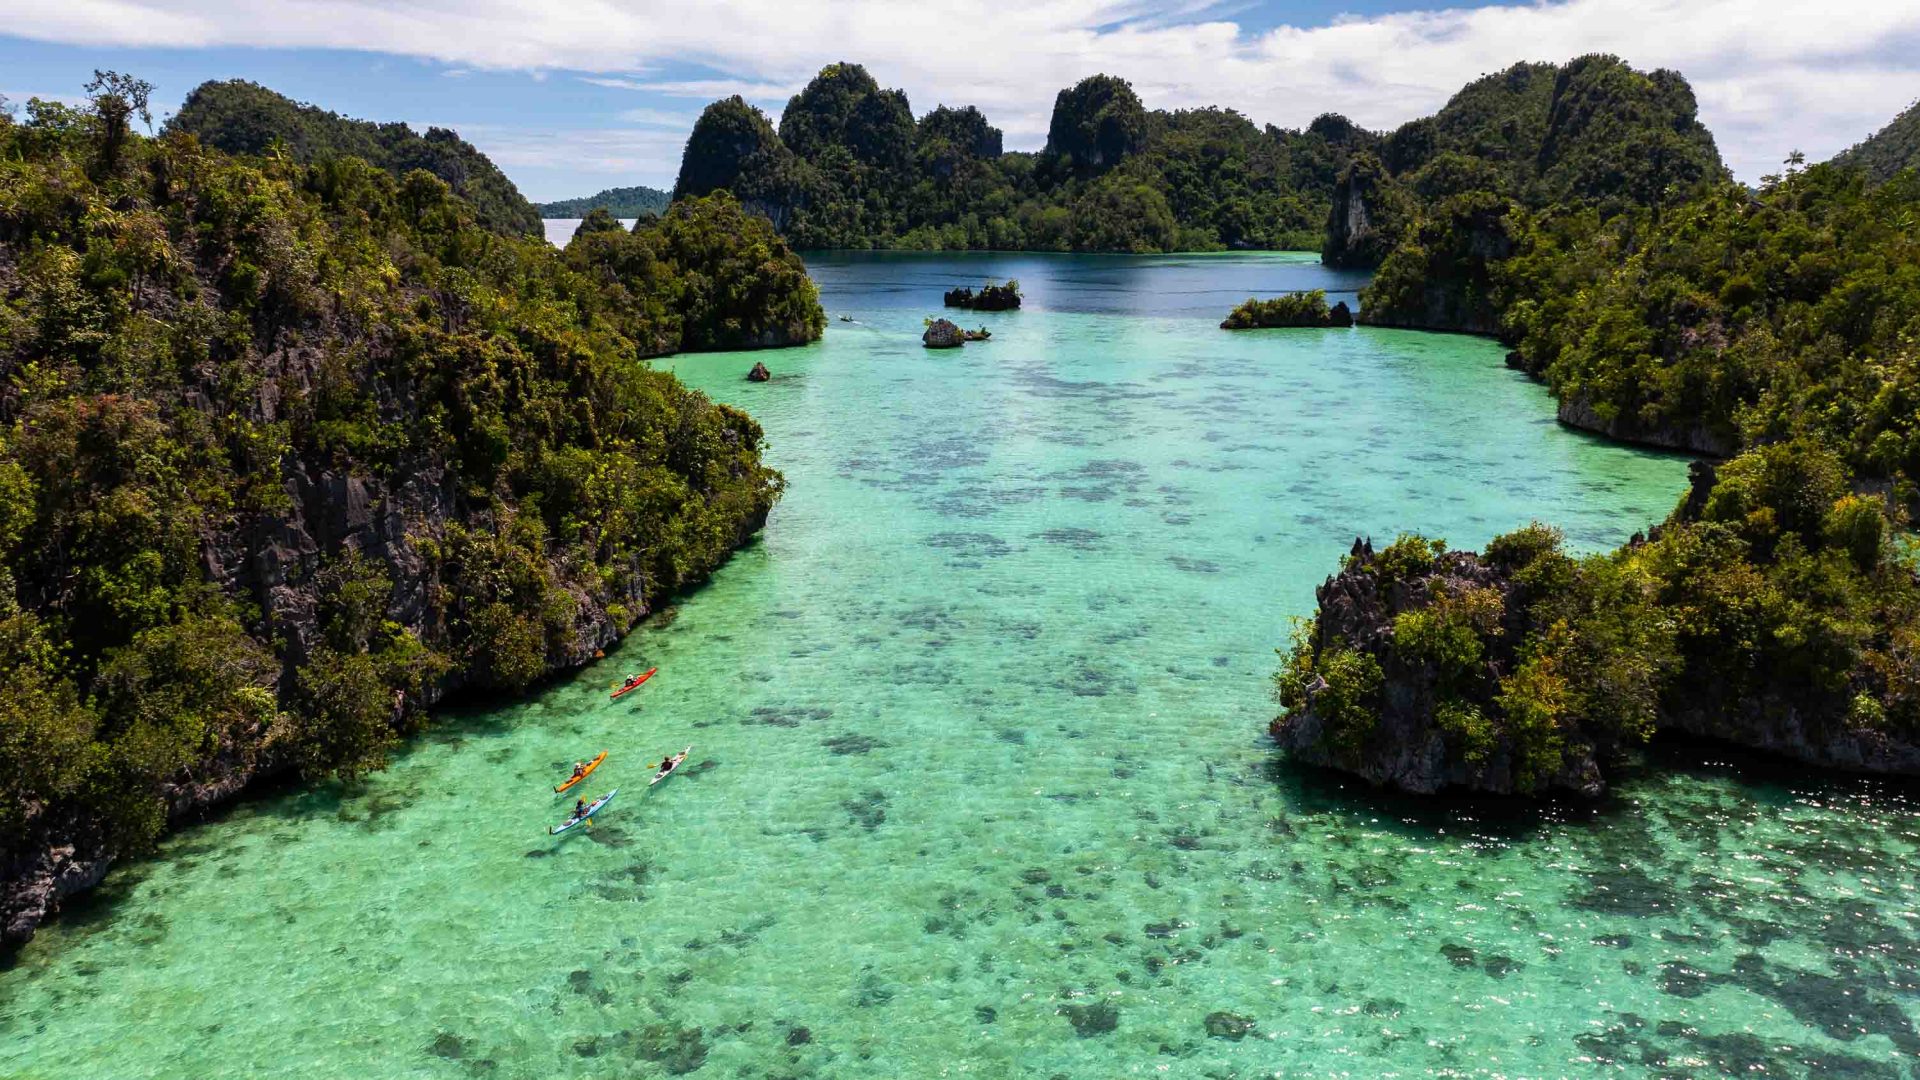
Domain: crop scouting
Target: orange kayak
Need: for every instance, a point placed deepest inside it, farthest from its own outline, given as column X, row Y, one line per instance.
column 632, row 684
column 591, row 765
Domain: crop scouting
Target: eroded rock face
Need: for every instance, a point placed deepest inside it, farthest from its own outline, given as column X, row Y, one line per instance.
column 1407, row 747
column 1365, row 222
column 1699, row 438
column 1549, row 693
column 943, row 334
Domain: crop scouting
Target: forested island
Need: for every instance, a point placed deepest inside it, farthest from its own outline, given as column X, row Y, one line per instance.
column 850, row 167
column 298, row 440
column 620, row 202
column 1295, row 309
column 1661, row 302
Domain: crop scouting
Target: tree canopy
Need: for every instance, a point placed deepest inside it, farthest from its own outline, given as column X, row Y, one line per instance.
column 849, row 167
column 241, row 117
column 289, row 448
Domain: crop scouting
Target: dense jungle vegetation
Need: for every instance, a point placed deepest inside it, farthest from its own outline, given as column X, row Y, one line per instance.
column 241, row 117
column 1889, row 150
column 1777, row 607
column 293, row 443
column 850, row 167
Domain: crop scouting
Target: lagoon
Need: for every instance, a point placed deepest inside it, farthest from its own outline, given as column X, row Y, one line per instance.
column 979, row 781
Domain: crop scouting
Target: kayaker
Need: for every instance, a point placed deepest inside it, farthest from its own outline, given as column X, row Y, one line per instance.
column 667, row 763
column 579, row 809
column 579, row 769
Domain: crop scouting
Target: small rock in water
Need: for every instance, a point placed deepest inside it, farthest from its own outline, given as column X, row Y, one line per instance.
column 943, row 334
column 1500, row 966
column 1091, row 1021
column 1227, row 1025
column 759, row 373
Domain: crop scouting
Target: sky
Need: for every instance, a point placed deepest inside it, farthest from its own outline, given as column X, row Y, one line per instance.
column 572, row 97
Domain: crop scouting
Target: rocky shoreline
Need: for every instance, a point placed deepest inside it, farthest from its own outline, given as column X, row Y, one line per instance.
column 262, row 560
column 1405, row 746
column 1521, row 670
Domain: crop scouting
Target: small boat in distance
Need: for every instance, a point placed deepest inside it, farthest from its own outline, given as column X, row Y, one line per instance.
column 632, row 684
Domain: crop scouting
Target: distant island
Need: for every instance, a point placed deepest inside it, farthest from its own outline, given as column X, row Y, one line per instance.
column 1294, row 309
column 621, row 202
column 849, row 166
column 991, row 297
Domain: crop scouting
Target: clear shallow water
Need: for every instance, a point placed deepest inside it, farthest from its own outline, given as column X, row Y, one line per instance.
column 979, row 782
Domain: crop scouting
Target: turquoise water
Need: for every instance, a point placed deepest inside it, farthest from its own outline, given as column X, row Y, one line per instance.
column 979, row 782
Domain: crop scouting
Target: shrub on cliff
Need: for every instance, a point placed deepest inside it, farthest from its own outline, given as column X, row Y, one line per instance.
column 288, row 450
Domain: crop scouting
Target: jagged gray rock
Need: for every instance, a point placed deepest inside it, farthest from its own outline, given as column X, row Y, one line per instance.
column 943, row 334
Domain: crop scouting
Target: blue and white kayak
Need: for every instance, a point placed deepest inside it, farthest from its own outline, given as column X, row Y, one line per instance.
column 592, row 808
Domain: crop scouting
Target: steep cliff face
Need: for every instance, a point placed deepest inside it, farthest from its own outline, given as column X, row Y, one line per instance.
column 1698, row 438
column 275, row 561
column 1369, row 213
column 1393, row 728
column 1582, row 144
column 1439, row 276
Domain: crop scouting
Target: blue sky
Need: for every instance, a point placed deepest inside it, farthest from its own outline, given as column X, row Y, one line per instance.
column 570, row 99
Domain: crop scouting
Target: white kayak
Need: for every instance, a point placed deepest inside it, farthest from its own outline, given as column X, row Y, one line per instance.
column 670, row 766
column 592, row 808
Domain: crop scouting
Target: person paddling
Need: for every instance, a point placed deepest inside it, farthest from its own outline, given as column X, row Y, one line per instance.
column 667, row 762
column 579, row 770
column 579, row 809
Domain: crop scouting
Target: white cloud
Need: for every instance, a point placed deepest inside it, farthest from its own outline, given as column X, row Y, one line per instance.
column 646, row 155
column 1771, row 75
column 710, row 89
column 679, row 121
